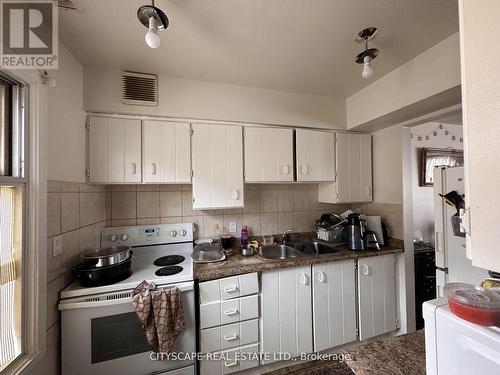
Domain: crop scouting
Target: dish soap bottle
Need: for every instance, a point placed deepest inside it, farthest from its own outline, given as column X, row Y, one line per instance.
column 244, row 235
column 217, row 232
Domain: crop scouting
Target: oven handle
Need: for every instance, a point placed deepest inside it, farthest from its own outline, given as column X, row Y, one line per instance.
column 69, row 305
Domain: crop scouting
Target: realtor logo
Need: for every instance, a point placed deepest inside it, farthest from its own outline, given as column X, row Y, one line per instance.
column 28, row 34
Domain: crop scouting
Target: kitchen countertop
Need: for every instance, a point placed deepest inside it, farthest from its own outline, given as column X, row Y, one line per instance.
column 397, row 355
column 235, row 264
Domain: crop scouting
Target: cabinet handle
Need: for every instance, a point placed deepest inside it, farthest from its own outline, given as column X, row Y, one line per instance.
column 231, row 312
column 134, row 168
column 285, row 169
column 321, row 277
column 304, row 169
column 367, row 191
column 235, row 195
column 231, row 364
column 231, row 289
column 304, row 279
column 231, row 338
column 365, row 270
column 154, row 167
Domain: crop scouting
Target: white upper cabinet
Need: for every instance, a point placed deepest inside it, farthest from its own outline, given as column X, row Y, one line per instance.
column 114, row 150
column 481, row 116
column 217, row 155
column 268, row 154
column 353, row 170
column 166, row 152
column 315, row 155
column 377, row 295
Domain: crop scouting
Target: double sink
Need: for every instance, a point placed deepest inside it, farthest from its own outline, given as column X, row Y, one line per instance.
column 298, row 249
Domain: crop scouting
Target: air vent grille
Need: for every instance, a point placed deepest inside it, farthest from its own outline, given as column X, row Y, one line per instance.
column 139, row 88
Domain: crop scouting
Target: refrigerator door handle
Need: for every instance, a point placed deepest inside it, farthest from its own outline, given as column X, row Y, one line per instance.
column 439, row 242
column 443, row 269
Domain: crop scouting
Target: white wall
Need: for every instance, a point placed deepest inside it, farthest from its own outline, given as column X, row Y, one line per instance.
column 215, row 101
column 66, row 121
column 423, row 201
column 430, row 73
column 387, row 166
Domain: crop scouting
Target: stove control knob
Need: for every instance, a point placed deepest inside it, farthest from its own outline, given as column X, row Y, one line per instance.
column 124, row 237
column 113, row 238
column 183, row 232
column 173, row 233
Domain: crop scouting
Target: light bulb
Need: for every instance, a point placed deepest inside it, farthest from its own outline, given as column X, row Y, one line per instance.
column 367, row 67
column 152, row 39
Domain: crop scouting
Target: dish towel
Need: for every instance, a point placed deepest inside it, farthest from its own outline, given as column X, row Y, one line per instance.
column 161, row 314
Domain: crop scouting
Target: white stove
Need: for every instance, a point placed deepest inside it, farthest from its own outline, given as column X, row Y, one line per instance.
column 149, row 243
column 100, row 330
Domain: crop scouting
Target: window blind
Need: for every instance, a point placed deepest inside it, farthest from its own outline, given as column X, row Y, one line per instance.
column 9, row 332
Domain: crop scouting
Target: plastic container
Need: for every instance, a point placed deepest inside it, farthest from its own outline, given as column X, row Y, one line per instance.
column 474, row 303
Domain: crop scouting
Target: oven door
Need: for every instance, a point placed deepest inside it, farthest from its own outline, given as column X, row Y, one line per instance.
column 101, row 334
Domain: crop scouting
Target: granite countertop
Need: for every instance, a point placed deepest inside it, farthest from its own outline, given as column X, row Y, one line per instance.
column 235, row 264
column 398, row 355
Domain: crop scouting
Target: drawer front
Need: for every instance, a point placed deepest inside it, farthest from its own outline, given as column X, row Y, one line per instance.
column 229, row 288
column 229, row 336
column 249, row 307
column 237, row 359
column 210, row 314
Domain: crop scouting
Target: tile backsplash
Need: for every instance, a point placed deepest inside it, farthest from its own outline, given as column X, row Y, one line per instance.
column 269, row 208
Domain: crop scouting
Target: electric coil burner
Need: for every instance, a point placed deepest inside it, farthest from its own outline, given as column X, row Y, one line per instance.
column 169, row 270
column 169, row 260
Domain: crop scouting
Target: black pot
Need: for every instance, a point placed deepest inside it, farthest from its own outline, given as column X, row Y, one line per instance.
column 89, row 275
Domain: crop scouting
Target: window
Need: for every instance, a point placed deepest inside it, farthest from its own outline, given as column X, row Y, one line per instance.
column 12, row 198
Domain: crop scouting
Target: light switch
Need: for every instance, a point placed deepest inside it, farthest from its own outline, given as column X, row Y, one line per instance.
column 56, row 246
column 232, row 227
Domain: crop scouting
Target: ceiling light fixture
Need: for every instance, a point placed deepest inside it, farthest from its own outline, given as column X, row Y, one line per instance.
column 365, row 57
column 155, row 20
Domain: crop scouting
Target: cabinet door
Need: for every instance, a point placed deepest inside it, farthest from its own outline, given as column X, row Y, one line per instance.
column 151, row 151
column 366, row 167
column 328, row 156
column 98, row 149
column 217, row 166
column 132, row 151
column 268, row 154
column 303, row 154
column 342, row 164
column 315, row 150
column 377, row 295
column 286, row 321
column 481, row 112
column 354, row 167
column 334, row 304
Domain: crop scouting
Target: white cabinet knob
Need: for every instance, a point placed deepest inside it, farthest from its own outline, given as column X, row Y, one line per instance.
column 235, row 195
column 321, row 277
column 365, row 270
column 285, row 169
column 304, row 279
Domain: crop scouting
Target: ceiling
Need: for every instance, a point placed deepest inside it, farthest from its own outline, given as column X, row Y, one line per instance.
column 303, row 46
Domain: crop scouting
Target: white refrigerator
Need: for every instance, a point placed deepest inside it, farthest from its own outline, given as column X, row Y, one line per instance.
column 452, row 264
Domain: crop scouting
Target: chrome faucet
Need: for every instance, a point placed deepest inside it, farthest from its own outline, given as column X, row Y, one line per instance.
column 284, row 236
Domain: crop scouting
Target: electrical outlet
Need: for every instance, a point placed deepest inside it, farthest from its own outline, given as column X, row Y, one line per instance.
column 232, row 227
column 56, row 246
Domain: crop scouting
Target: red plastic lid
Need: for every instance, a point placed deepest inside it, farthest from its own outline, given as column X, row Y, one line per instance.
column 473, row 296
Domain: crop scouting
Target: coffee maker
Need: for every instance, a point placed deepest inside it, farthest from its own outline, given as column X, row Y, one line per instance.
column 356, row 229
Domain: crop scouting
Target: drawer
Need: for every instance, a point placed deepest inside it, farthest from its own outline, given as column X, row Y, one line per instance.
column 239, row 309
column 229, row 288
column 229, row 336
column 210, row 314
column 237, row 359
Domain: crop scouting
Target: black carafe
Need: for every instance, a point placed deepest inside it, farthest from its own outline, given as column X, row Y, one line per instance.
column 356, row 228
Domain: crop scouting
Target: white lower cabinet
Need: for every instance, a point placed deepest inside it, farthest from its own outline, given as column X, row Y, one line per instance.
column 229, row 361
column 286, row 312
column 334, row 304
column 377, row 295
